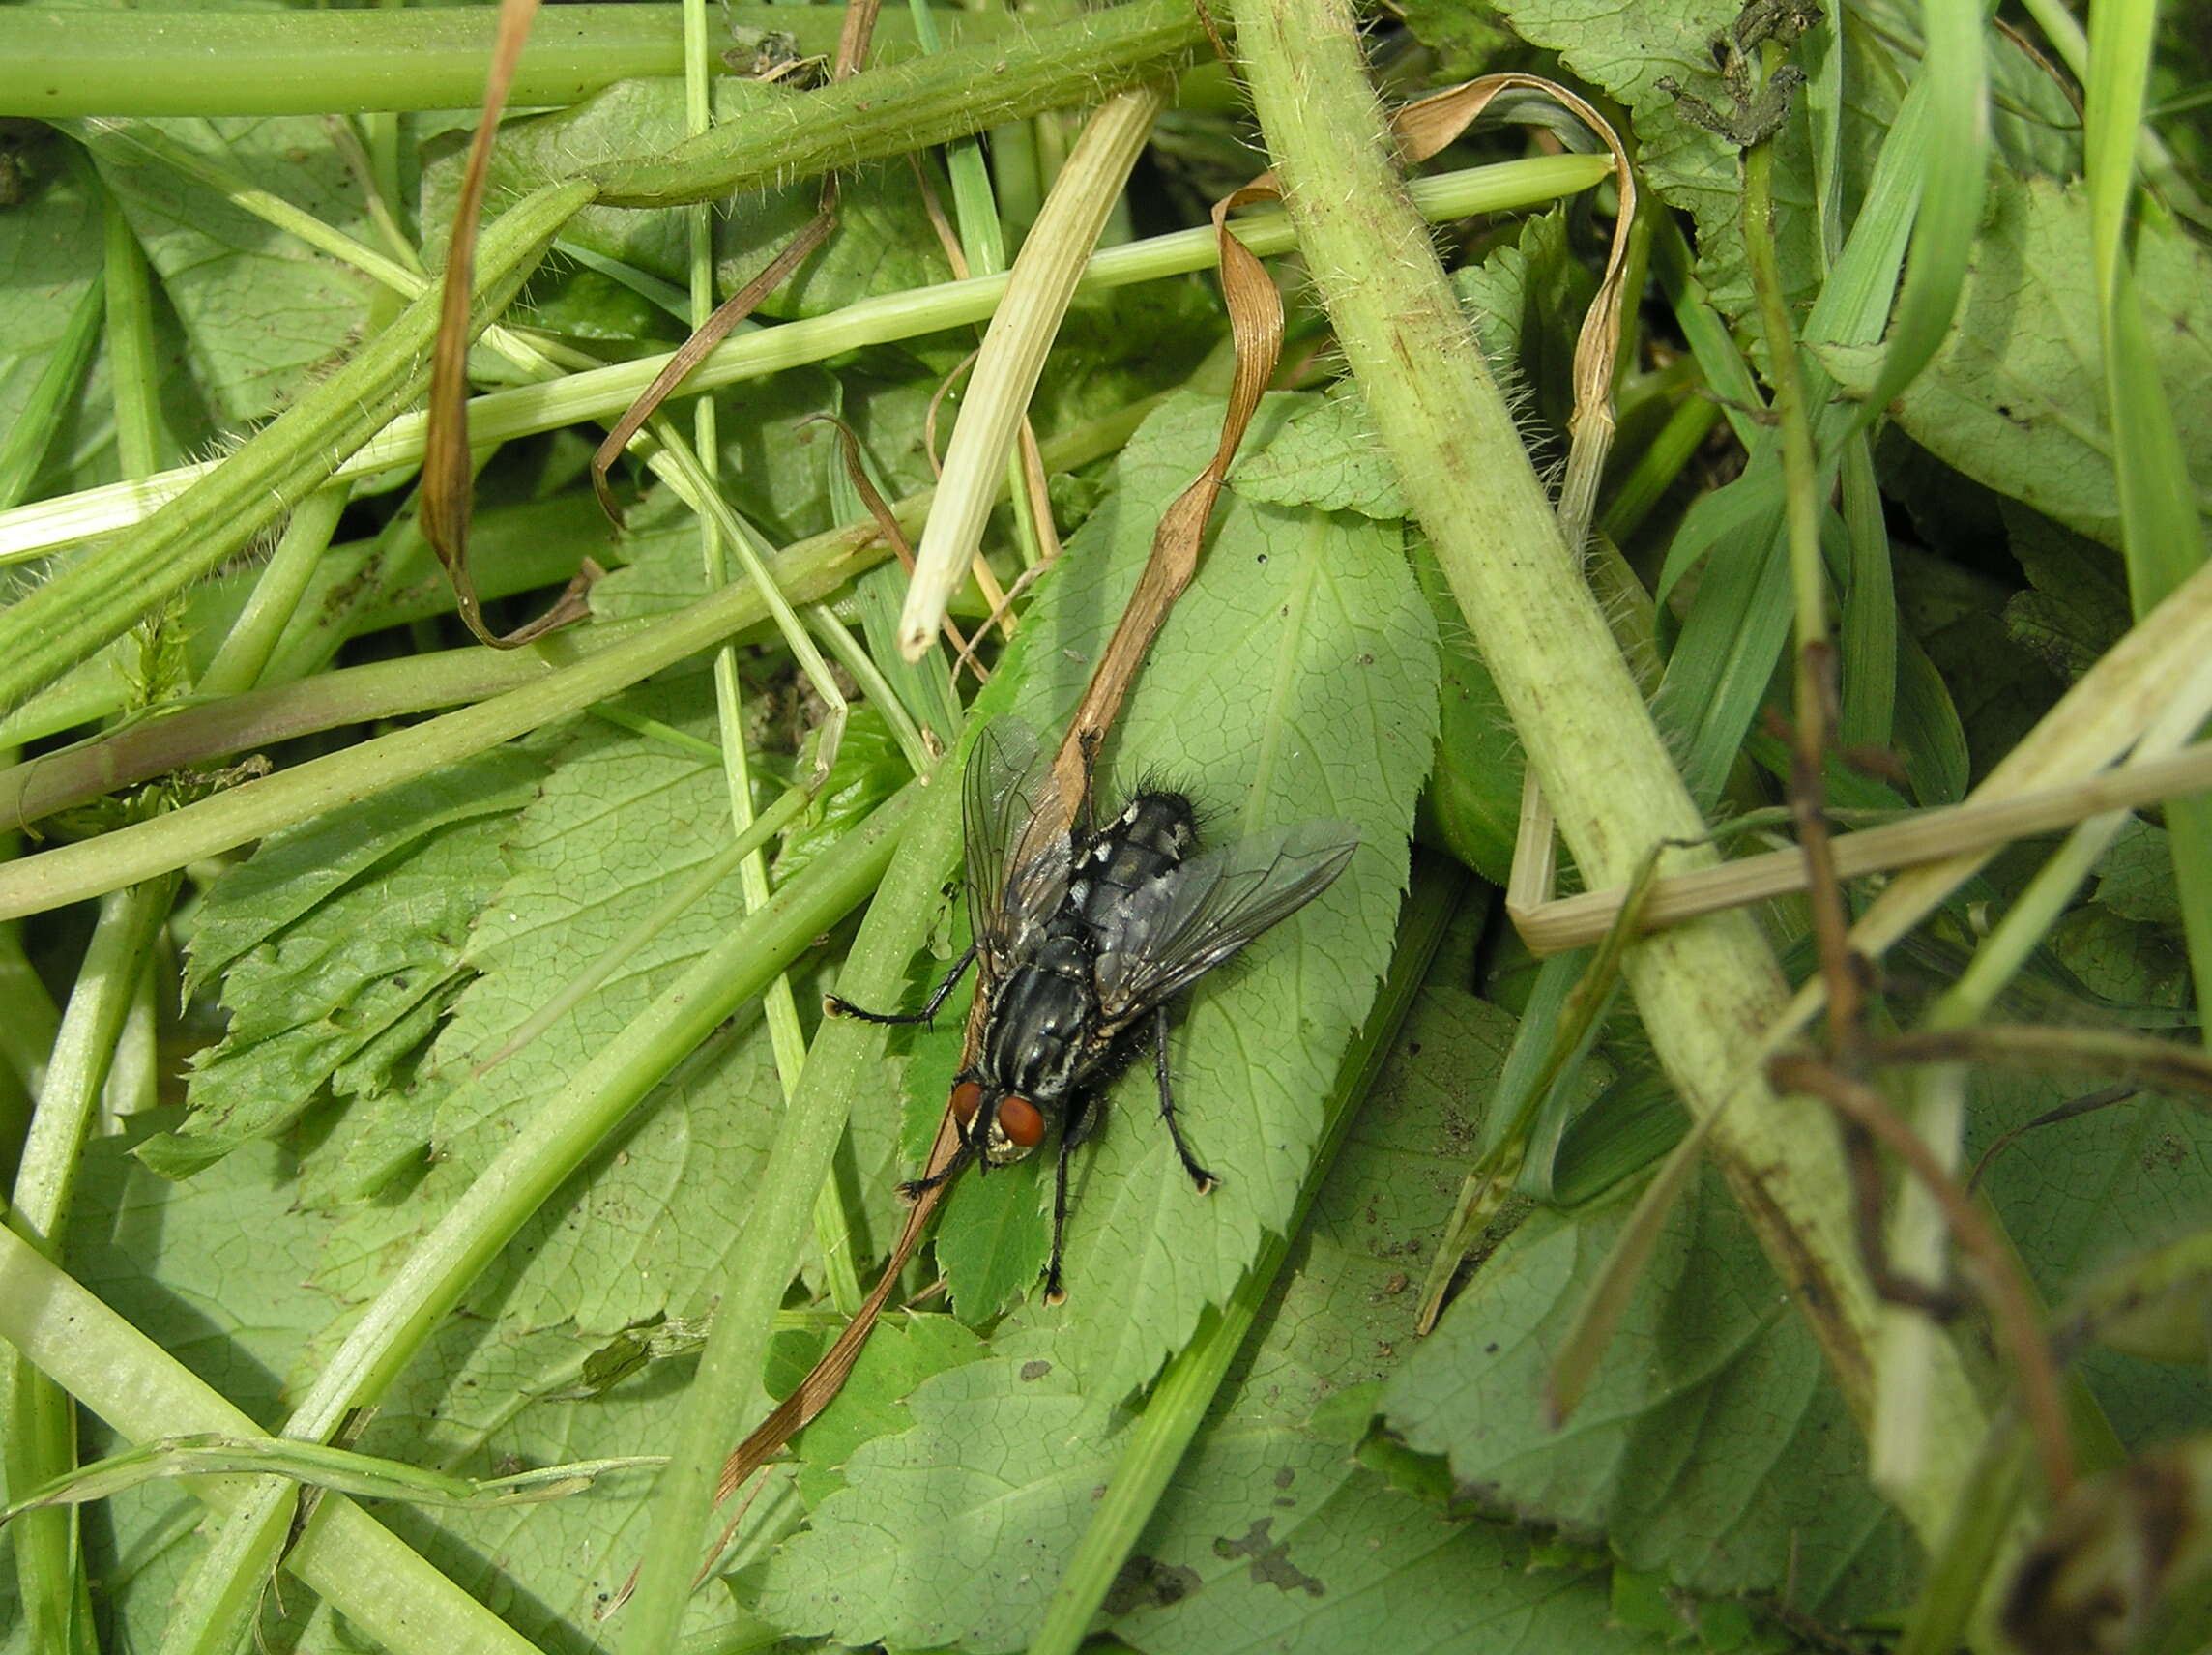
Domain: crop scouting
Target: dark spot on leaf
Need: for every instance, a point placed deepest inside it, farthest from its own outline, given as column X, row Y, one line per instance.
column 1146, row 1582
column 1272, row 1564
column 1035, row 1370
column 1285, row 1476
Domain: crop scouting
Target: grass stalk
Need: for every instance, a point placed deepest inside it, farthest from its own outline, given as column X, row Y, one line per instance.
column 1705, row 991
column 525, row 410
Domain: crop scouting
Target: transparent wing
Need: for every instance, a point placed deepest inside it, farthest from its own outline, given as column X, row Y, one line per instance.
column 1017, row 845
column 1173, row 930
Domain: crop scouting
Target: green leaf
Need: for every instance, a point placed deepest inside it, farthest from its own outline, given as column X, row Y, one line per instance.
column 2015, row 399
column 2134, row 876
column 874, row 1401
column 1328, row 457
column 621, row 821
column 216, row 1271
column 342, row 943
column 2077, row 604
column 259, row 310
column 49, row 259
column 953, row 1531
column 1711, row 1446
column 1354, row 1565
column 1231, row 706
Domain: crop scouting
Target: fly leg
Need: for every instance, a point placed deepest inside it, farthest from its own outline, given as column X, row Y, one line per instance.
column 1198, row 1175
column 1079, row 1124
column 837, row 1007
column 916, row 1188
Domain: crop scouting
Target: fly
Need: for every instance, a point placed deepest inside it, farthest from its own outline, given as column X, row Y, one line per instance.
column 1083, row 937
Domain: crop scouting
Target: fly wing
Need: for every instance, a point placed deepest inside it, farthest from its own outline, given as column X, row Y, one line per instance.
column 1017, row 844
column 1171, row 931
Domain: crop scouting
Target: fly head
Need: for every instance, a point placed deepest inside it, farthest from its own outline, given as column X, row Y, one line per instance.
column 1002, row 1129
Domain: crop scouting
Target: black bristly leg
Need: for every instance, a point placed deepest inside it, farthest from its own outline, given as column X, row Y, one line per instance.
column 1054, row 1292
column 1198, row 1175
column 837, row 1007
column 1082, row 1120
column 915, row 1188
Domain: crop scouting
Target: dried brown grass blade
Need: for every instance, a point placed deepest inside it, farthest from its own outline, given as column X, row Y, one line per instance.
column 1255, row 326
column 820, row 1387
column 853, row 38
column 710, row 333
column 886, row 520
column 448, row 474
column 1979, row 826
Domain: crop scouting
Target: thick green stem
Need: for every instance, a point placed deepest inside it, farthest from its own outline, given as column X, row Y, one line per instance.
column 1708, row 992
column 891, row 112
column 87, row 61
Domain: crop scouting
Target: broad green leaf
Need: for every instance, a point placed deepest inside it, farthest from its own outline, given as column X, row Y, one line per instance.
column 478, row 1402
column 1355, row 1567
column 1295, row 679
column 2078, row 1194
column 259, row 309
column 1328, row 457
column 1711, row 1446
column 1271, row 1536
column 1997, row 683
column 294, row 873
column 904, row 1351
column 2134, row 876
column 49, row 260
column 621, row 822
column 217, row 1271
column 2076, row 606
column 2015, row 398
column 340, row 945
column 953, row 1532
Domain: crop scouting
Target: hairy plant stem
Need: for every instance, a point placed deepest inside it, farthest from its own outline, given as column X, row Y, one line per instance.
column 908, row 106
column 1708, row 992
column 97, row 597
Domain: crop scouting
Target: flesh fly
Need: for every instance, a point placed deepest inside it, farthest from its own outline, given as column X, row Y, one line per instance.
column 1084, row 935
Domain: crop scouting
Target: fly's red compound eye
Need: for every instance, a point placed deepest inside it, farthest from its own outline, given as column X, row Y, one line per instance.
column 1023, row 1126
column 967, row 1098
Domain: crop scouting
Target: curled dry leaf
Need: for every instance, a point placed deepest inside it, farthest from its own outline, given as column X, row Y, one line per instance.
column 448, row 471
